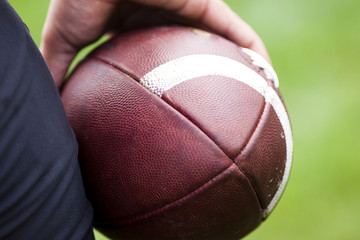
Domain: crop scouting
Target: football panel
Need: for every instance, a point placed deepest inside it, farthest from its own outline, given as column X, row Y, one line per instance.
column 264, row 159
column 226, row 207
column 137, row 152
column 227, row 110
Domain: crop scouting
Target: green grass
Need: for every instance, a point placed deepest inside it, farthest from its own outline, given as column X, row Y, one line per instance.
column 314, row 46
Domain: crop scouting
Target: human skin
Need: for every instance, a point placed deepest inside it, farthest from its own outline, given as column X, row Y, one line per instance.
column 74, row 24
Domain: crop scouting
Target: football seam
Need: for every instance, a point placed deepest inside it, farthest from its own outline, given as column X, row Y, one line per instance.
column 175, row 203
column 133, row 77
column 127, row 73
column 256, row 126
column 154, row 212
column 245, row 146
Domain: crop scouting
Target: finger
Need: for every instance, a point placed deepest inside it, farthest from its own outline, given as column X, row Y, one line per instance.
column 234, row 28
column 70, row 26
column 58, row 57
column 216, row 16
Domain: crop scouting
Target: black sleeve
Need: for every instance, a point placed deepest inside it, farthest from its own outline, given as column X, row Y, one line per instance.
column 41, row 190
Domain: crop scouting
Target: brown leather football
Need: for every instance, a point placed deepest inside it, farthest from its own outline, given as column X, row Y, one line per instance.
column 182, row 135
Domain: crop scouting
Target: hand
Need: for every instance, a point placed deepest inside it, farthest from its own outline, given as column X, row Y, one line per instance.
column 73, row 24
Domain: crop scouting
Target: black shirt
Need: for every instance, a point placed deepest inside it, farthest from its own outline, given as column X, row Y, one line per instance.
column 41, row 190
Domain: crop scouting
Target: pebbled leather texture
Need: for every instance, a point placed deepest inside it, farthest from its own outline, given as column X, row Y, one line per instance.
column 223, row 113
column 200, row 162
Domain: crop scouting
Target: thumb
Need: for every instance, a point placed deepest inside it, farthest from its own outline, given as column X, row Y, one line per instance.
column 70, row 26
column 58, row 56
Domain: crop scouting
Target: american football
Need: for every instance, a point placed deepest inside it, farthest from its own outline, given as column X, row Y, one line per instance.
column 182, row 135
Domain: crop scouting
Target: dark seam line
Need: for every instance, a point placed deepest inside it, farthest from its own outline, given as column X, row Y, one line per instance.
column 233, row 160
column 115, row 67
column 202, row 188
column 176, row 110
column 245, row 146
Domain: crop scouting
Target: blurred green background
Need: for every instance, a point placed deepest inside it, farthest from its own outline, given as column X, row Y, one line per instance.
column 314, row 46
